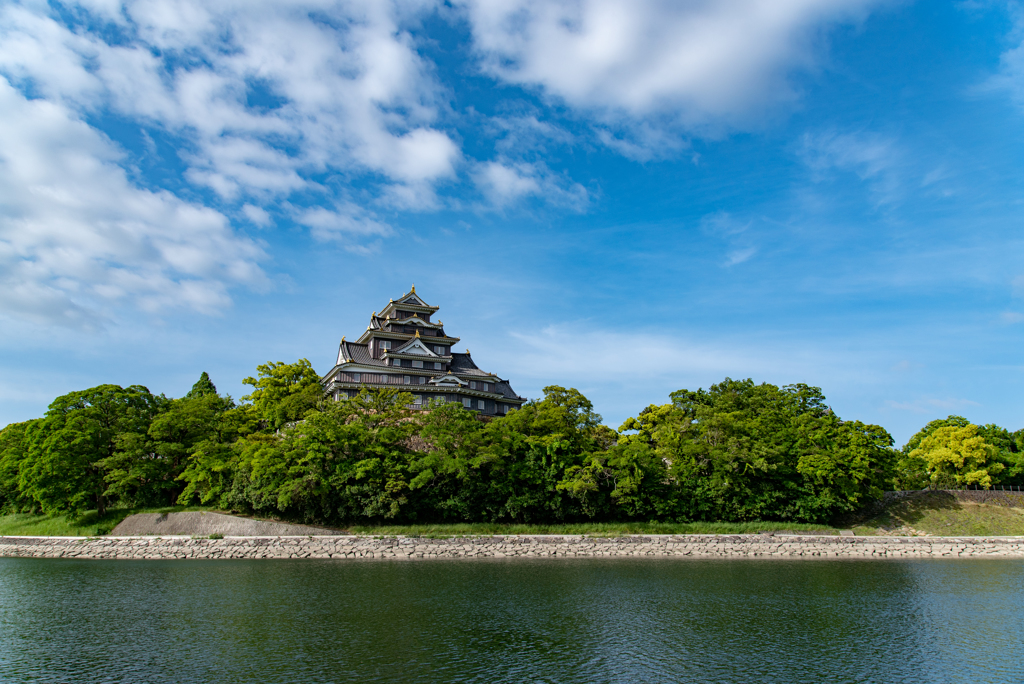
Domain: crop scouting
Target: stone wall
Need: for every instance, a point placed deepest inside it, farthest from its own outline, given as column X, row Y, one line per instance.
column 525, row 546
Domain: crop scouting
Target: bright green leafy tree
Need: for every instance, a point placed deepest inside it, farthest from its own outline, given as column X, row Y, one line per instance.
column 283, row 392
column 958, row 456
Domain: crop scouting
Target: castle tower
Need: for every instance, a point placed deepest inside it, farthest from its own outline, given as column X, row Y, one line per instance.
column 402, row 346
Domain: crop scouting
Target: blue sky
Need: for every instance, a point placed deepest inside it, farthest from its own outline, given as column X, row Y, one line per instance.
column 627, row 197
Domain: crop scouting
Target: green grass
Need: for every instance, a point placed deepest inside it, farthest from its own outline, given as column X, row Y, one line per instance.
column 91, row 525
column 88, row 524
column 589, row 529
column 940, row 514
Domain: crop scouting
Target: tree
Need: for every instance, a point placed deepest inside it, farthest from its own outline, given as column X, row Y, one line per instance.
column 958, row 456
column 283, row 392
column 742, row 451
column 145, row 468
column 345, row 461
column 203, row 387
column 912, row 471
column 14, row 445
column 63, row 470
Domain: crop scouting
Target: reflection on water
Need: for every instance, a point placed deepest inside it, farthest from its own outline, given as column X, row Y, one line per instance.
column 615, row 620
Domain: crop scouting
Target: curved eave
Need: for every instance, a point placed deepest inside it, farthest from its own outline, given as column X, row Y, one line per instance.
column 394, row 306
column 431, row 389
column 388, row 335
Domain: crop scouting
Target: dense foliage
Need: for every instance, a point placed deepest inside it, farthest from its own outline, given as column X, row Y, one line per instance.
column 952, row 452
column 737, row 451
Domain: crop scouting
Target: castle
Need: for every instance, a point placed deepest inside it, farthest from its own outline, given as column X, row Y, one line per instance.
column 403, row 347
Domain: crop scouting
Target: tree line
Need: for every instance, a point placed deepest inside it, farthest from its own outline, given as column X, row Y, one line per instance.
column 737, row 451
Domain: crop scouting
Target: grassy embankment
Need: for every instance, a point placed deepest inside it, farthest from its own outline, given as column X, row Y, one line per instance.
column 91, row 525
column 935, row 514
column 941, row 515
column 86, row 525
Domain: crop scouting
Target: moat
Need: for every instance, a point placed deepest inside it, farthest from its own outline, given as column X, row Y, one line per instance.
column 492, row 620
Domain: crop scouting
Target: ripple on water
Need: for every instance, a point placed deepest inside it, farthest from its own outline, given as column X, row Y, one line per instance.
column 615, row 620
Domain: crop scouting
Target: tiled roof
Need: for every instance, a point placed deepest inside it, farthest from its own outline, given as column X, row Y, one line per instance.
column 505, row 390
column 360, row 353
column 463, row 365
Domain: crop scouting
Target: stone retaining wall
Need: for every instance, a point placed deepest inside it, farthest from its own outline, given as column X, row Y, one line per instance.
column 525, row 546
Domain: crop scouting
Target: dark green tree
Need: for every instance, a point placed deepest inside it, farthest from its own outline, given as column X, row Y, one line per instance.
column 63, row 471
column 742, row 451
column 14, row 448
column 145, row 469
column 203, row 387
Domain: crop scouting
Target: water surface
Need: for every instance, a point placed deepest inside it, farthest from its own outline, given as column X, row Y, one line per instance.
column 616, row 620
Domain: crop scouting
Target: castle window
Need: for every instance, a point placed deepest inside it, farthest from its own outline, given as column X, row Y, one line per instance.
column 439, row 350
column 437, row 365
column 472, row 384
column 408, row 380
column 396, row 362
column 423, row 381
column 467, row 402
column 487, row 387
column 480, row 404
column 417, row 400
column 417, row 364
column 355, row 377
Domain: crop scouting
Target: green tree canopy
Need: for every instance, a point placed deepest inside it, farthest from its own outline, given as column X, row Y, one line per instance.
column 743, row 451
column 283, row 392
column 956, row 456
column 64, row 470
column 203, row 387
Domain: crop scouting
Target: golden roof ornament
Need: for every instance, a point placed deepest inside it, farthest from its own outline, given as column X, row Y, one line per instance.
column 417, row 333
column 414, row 288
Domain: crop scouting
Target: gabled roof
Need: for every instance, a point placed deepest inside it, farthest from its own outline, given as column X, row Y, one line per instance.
column 415, row 346
column 447, row 379
column 410, row 301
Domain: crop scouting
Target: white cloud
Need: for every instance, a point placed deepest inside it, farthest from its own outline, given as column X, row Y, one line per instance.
column 257, row 215
column 262, row 100
column 263, row 92
column 875, row 159
column 695, row 63
column 345, row 223
column 735, row 231
column 505, row 182
column 1012, row 317
column 1017, row 286
column 76, row 235
column 1010, row 76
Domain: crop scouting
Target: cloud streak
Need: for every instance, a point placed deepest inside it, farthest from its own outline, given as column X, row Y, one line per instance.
column 693, row 64
column 76, row 235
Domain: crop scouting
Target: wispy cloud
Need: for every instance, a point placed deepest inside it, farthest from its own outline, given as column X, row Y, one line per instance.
column 76, row 236
column 877, row 160
column 505, row 182
column 929, row 405
column 735, row 232
column 656, row 62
